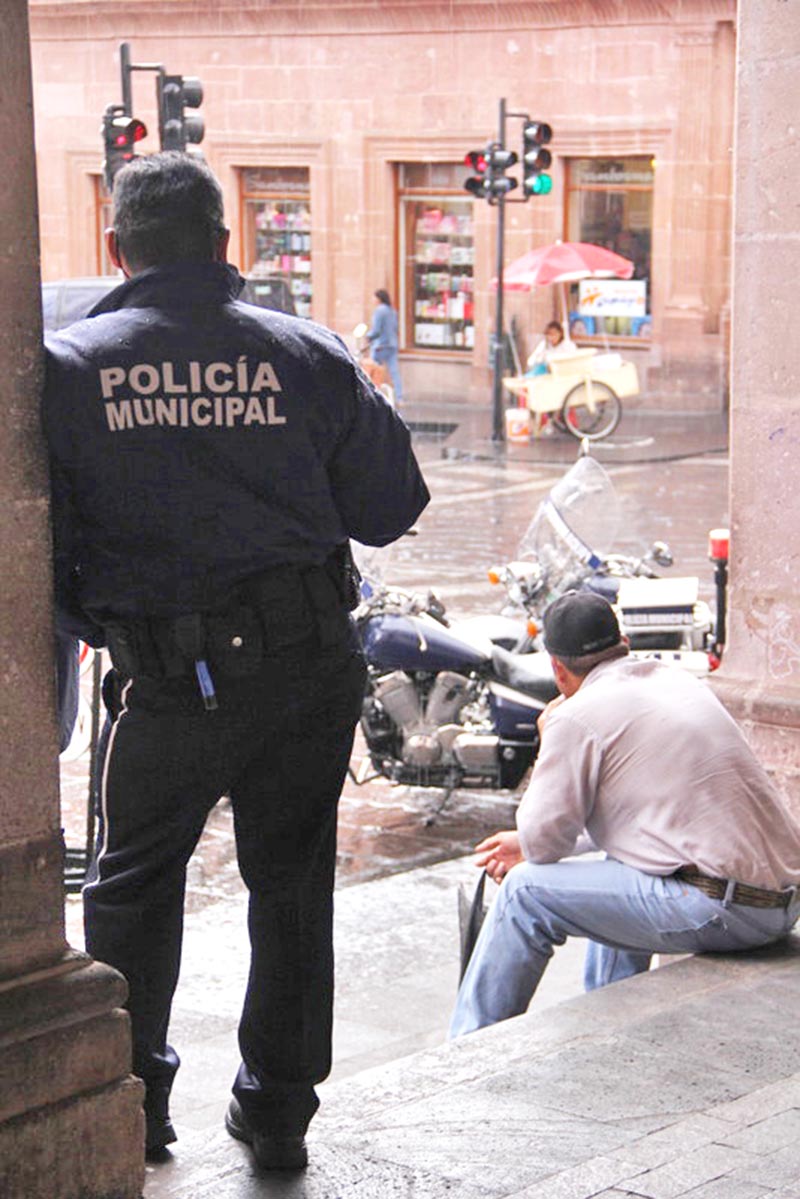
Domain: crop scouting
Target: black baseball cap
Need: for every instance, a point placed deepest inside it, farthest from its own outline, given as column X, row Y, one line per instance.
column 580, row 623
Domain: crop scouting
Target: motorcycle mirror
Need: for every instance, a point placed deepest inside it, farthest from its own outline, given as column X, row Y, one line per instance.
column 434, row 607
column 661, row 553
column 359, row 330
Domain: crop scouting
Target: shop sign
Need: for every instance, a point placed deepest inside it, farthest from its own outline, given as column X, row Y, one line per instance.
column 612, row 297
column 632, row 172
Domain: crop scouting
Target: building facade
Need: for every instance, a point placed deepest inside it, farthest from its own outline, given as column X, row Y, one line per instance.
column 339, row 133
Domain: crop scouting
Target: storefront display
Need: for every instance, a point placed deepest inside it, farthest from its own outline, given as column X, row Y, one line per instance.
column 277, row 230
column 610, row 204
column 438, row 254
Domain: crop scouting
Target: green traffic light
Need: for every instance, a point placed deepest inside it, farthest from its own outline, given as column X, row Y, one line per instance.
column 541, row 185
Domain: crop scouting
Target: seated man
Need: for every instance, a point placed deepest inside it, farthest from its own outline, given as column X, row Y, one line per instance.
column 702, row 854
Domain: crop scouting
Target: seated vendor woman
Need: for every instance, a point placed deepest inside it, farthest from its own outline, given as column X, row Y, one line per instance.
column 538, row 363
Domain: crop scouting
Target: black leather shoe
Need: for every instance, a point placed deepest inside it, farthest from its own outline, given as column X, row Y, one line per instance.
column 159, row 1131
column 271, row 1152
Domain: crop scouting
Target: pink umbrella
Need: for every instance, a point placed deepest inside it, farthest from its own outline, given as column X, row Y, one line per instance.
column 564, row 262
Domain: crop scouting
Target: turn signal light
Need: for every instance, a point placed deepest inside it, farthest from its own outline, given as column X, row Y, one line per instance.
column 494, row 574
column 533, row 628
column 718, row 545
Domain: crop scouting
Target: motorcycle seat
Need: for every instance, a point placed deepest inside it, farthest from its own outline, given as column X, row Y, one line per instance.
column 531, row 674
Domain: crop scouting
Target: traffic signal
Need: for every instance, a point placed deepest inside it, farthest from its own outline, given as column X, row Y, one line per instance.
column 476, row 184
column 536, row 158
column 177, row 128
column 498, row 161
column 120, row 135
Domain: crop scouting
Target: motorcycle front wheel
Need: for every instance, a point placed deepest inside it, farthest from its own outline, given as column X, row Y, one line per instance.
column 590, row 410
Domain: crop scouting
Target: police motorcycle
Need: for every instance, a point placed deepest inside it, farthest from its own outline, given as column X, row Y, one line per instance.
column 567, row 546
column 441, row 710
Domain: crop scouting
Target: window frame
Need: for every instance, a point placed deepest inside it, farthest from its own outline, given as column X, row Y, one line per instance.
column 569, row 161
column 405, row 197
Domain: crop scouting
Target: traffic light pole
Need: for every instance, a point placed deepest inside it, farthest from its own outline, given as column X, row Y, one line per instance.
column 125, row 71
column 498, row 421
column 490, row 182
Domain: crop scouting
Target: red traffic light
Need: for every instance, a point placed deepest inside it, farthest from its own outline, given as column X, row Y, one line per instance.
column 127, row 130
column 477, row 160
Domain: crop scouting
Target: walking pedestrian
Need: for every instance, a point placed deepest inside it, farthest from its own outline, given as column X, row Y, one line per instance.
column 384, row 338
column 209, row 462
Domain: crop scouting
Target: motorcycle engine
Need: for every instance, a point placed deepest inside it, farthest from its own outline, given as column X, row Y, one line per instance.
column 427, row 723
column 399, row 697
column 446, row 698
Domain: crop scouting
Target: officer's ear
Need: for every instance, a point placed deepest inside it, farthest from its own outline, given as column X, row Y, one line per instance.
column 221, row 246
column 113, row 251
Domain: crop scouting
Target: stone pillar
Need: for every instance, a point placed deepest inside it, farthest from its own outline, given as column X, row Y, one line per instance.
column 760, row 675
column 689, row 369
column 71, row 1125
column 692, row 164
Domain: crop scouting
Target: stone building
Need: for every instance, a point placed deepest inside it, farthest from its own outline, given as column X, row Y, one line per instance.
column 339, row 132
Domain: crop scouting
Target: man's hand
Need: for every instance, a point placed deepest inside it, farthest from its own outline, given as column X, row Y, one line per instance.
column 498, row 853
column 547, row 711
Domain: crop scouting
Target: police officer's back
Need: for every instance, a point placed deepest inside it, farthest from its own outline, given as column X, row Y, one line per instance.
column 209, row 462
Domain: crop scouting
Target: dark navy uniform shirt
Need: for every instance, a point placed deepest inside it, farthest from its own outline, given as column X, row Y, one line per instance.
column 196, row 440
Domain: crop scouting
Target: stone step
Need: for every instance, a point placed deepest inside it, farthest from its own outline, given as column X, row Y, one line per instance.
column 681, row 1082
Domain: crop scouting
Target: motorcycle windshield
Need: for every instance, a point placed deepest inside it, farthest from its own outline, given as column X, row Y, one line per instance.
column 373, row 564
column 573, row 529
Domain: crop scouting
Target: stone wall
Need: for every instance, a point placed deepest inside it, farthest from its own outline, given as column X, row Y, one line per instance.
column 760, row 676
column 350, row 89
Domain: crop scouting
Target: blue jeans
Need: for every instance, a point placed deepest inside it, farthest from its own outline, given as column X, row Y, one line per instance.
column 636, row 914
column 389, row 358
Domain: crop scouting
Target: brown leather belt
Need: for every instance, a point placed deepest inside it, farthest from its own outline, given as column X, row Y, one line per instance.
column 722, row 888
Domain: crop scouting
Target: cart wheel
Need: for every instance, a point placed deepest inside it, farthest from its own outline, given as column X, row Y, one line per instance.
column 591, row 410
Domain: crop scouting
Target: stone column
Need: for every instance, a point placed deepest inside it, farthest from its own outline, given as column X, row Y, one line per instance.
column 692, row 166
column 71, row 1125
column 760, row 675
column 688, row 371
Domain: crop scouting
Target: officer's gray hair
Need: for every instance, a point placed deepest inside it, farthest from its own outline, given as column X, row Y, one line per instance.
column 167, row 208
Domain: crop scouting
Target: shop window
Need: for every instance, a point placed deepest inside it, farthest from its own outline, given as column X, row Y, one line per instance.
column 437, row 255
column 610, row 203
column 276, row 229
column 103, row 219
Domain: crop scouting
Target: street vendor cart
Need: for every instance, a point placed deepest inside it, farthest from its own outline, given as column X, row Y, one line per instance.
column 582, row 389
column 581, row 393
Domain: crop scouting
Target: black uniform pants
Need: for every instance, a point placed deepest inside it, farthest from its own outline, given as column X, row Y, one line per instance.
column 278, row 744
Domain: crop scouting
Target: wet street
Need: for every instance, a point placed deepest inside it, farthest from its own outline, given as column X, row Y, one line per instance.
column 671, row 476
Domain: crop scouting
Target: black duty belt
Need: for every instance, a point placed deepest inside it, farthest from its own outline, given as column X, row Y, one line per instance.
column 265, row 614
column 732, row 892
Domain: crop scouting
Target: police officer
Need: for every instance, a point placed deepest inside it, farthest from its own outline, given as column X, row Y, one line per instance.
column 209, row 462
